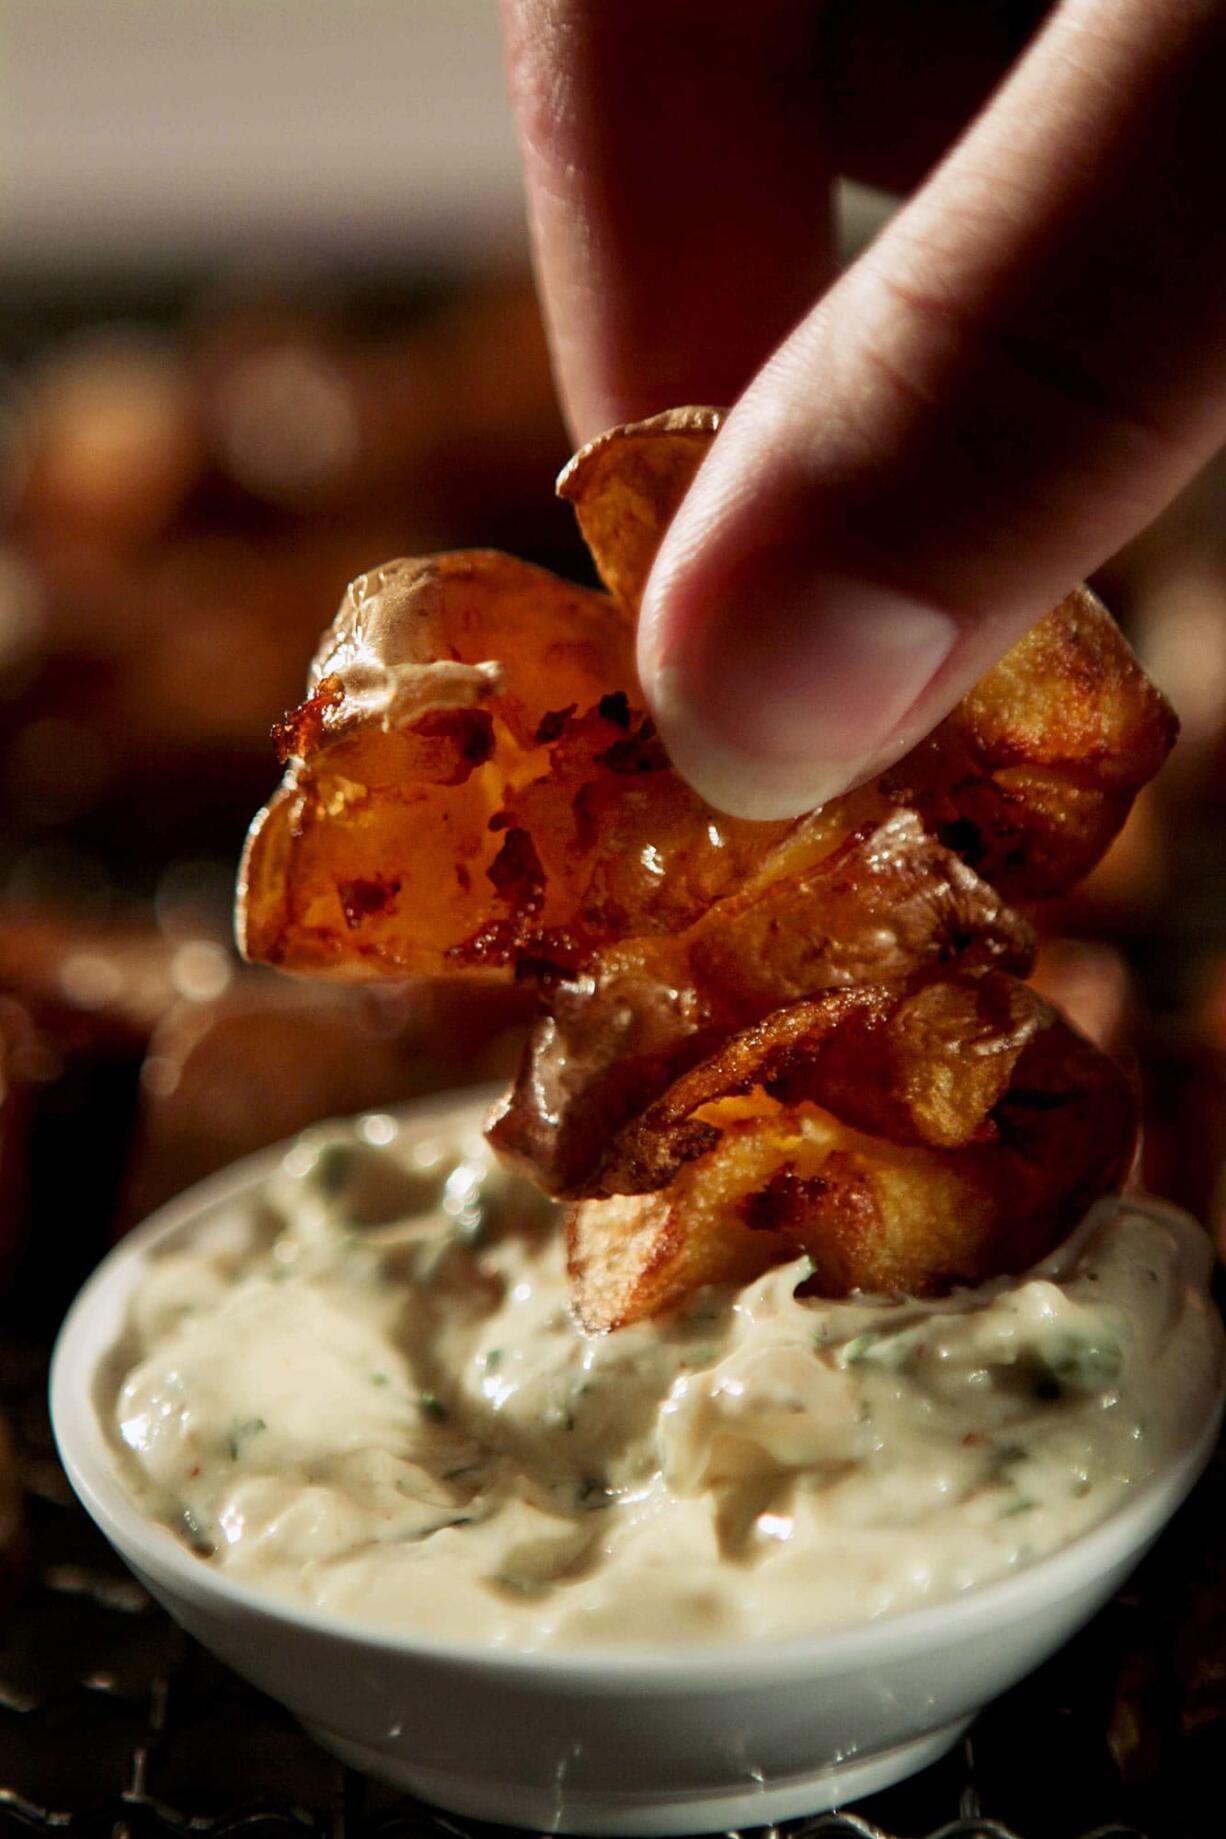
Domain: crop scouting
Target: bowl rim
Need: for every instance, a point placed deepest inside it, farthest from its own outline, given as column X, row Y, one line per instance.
column 90, row 1462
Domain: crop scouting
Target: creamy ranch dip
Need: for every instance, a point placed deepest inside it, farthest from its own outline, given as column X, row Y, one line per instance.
column 361, row 1389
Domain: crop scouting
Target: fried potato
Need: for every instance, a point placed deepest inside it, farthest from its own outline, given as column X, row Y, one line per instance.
column 447, row 812
column 625, row 487
column 1031, row 776
column 443, row 813
column 473, row 788
column 906, row 1140
column 873, row 904
column 382, row 852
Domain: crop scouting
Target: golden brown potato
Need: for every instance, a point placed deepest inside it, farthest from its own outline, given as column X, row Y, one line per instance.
column 871, row 905
column 625, row 487
column 906, row 1140
column 389, row 848
column 473, row 786
column 445, row 812
column 1033, row 773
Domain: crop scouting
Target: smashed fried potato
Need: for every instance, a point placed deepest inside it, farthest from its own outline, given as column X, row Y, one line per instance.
column 474, row 788
column 905, row 1139
column 877, row 903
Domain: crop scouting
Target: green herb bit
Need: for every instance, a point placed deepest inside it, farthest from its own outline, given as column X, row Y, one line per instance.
column 380, row 1379
column 493, row 1359
column 1075, row 1364
column 242, row 1433
column 432, row 1406
column 861, row 1347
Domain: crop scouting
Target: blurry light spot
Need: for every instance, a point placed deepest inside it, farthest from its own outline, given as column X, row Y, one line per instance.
column 201, row 970
column 462, row 1188
column 115, row 438
column 300, row 1160
column 286, row 425
column 89, row 980
column 379, row 1130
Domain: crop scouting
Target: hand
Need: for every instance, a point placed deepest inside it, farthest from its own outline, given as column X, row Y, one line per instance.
column 926, row 452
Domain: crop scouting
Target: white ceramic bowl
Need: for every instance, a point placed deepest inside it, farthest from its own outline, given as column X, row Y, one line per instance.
column 619, row 1742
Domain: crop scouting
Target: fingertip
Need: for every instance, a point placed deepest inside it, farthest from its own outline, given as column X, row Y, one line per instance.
column 734, row 780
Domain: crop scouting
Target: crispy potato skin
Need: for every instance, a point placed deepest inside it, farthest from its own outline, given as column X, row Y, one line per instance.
column 753, row 1037
column 1032, row 775
column 444, row 815
column 906, row 1140
column 874, row 904
column 625, row 487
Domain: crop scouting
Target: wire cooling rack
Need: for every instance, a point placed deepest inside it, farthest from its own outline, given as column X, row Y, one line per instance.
column 114, row 1725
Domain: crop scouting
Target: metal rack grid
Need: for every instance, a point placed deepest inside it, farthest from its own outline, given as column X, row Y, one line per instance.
column 113, row 1725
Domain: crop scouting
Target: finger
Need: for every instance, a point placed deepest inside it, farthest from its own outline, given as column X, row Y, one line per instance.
column 677, row 180
column 1020, row 372
column 677, row 156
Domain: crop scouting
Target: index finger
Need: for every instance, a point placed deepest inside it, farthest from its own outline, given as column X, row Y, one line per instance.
column 678, row 187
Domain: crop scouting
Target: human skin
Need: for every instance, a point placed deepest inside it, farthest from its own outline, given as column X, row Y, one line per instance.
column 928, row 449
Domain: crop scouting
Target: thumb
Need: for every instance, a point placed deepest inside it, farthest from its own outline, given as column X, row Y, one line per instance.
column 1017, row 376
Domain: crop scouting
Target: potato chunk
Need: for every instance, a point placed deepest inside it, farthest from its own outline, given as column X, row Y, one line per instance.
column 907, row 1140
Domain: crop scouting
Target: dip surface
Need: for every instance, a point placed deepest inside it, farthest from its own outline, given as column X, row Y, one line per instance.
column 361, row 1389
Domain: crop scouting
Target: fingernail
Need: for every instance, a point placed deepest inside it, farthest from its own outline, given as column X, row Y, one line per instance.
column 781, row 698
